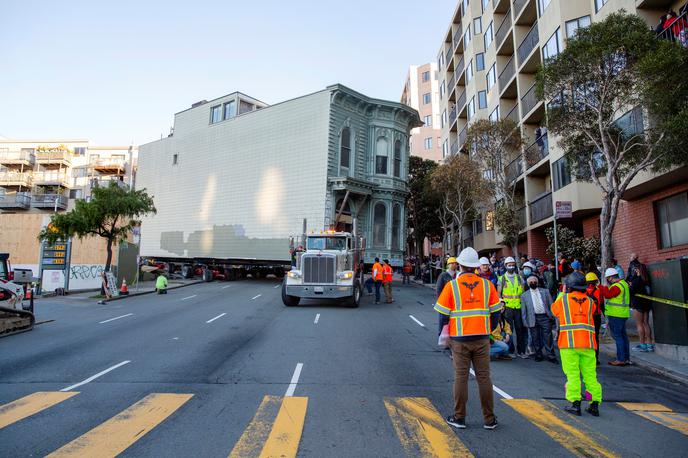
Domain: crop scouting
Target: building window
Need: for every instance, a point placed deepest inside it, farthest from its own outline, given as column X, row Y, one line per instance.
column 396, row 227
column 230, row 109
column 469, row 71
column 381, row 154
column 379, row 224
column 672, row 220
column 599, row 4
column 215, row 114
column 489, row 221
column 489, row 37
column 479, row 62
column 477, row 26
column 79, row 150
column 175, row 159
column 494, row 116
column 427, row 121
column 491, row 77
column 245, row 107
column 427, row 98
column 482, row 99
column 471, row 108
column 542, row 6
column 443, row 88
column 397, row 158
column 443, row 119
column 75, row 193
column 445, row 148
column 573, row 26
column 428, row 143
column 345, row 148
column 485, row 4
column 561, row 174
column 426, row 77
column 467, row 37
column 553, row 46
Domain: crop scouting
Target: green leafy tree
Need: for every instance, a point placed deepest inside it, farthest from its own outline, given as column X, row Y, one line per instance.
column 494, row 145
column 422, row 202
column 110, row 214
column 585, row 249
column 618, row 101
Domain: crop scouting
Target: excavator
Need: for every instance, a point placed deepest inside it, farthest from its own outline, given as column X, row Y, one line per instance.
column 15, row 314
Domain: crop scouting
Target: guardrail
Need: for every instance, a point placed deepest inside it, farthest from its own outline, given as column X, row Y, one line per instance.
column 541, row 208
column 17, row 200
column 529, row 100
column 537, row 151
column 513, row 114
column 462, row 135
column 528, row 44
column 452, row 115
column 15, row 177
column 46, row 200
column 462, row 100
column 503, row 29
column 514, row 169
column 17, row 156
column 518, row 6
column 507, row 73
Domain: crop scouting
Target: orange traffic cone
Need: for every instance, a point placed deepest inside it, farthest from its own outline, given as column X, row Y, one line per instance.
column 124, row 290
column 29, row 293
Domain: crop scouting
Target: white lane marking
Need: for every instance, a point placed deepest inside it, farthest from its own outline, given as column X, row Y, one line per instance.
column 175, row 338
column 317, row 318
column 256, row 297
column 225, row 287
column 416, row 320
column 93, row 377
column 294, row 380
column 190, row 297
column 276, row 286
column 498, row 390
column 213, row 319
column 115, row 318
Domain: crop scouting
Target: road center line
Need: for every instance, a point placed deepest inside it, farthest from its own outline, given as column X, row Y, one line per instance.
column 93, row 377
column 277, row 286
column 317, row 318
column 213, row 319
column 190, row 297
column 416, row 320
column 225, row 287
column 115, row 318
column 256, row 297
column 294, row 380
column 498, row 390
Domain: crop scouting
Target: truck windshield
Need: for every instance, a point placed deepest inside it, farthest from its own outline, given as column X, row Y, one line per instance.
column 326, row 243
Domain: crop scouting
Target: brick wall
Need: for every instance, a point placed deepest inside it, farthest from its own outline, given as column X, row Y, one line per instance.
column 636, row 230
column 591, row 226
column 537, row 244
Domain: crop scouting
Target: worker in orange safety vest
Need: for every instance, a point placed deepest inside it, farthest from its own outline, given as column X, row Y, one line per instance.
column 387, row 276
column 377, row 278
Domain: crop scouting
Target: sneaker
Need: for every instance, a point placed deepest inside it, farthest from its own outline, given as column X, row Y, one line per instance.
column 593, row 409
column 650, row 347
column 638, row 347
column 616, row 363
column 457, row 422
column 491, row 425
column 523, row 356
column 574, row 408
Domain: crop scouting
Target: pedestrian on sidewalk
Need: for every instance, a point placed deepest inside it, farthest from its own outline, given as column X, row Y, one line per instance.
column 377, row 278
column 486, row 272
column 499, row 340
column 471, row 306
column 161, row 284
column 537, row 317
column 406, row 273
column 593, row 291
column 510, row 287
column 639, row 282
column 617, row 308
column 387, row 277
column 574, row 312
column 446, row 276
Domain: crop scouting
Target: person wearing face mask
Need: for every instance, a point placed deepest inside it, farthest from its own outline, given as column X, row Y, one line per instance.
column 537, row 317
column 484, row 271
column 528, row 270
column 510, row 288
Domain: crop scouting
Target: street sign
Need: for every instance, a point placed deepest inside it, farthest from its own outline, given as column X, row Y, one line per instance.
column 563, row 209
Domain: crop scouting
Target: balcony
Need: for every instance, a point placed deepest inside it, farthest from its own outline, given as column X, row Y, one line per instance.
column 503, row 30
column 15, row 179
column 529, row 43
column 506, row 76
column 537, row 151
column 533, row 108
column 462, row 101
column 54, row 158
column 540, row 208
column 27, row 158
column 452, row 83
column 51, row 179
column 514, row 169
column 452, row 116
column 15, row 200
column 454, row 148
column 450, row 54
column 518, row 6
column 55, row 201
column 663, row 5
column 456, row 39
column 522, row 222
column 108, row 166
column 500, row 6
column 462, row 136
column 513, row 115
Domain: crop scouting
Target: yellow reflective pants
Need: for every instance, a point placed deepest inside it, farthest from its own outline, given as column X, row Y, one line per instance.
column 576, row 362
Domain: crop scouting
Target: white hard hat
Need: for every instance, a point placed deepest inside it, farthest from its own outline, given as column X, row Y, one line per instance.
column 469, row 258
column 509, row 260
column 610, row 272
column 528, row 264
column 484, row 261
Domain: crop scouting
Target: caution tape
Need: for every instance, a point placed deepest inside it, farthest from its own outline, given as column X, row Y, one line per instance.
column 664, row 301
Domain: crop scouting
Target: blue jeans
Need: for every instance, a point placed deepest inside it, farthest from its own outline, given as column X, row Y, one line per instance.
column 369, row 285
column 623, row 347
column 498, row 348
column 377, row 290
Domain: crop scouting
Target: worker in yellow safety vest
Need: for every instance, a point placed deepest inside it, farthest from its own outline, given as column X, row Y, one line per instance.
column 510, row 288
column 617, row 308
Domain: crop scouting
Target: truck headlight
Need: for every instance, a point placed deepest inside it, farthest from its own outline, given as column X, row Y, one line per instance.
column 294, row 274
column 346, row 275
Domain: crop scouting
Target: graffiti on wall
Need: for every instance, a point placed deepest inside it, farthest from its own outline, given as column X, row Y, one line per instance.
column 85, row 276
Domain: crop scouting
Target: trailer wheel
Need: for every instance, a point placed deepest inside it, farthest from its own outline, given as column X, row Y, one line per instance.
column 256, row 273
column 230, row 275
column 355, row 298
column 187, row 271
column 207, row 275
column 289, row 301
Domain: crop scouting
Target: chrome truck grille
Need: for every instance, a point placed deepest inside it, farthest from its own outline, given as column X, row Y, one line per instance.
column 318, row 269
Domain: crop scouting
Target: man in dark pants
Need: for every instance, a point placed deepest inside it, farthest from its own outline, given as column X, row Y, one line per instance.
column 377, row 278
column 510, row 287
column 536, row 303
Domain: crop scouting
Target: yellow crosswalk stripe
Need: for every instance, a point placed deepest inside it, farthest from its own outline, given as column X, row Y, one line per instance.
column 111, row 438
column 275, row 430
column 422, row 430
column 31, row 404
column 659, row 414
column 562, row 427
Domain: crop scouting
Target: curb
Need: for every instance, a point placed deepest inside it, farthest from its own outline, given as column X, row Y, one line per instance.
column 143, row 293
column 654, row 368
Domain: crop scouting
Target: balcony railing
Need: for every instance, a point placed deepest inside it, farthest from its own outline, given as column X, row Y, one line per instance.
column 15, row 200
column 529, row 100
column 513, row 114
column 54, row 156
column 458, row 68
column 462, row 135
column 452, row 115
column 450, row 52
column 507, row 73
column 57, row 178
column 521, row 214
column 518, row 6
column 528, row 44
column 674, row 30
column 16, row 157
column 49, row 201
column 537, row 151
column 15, row 178
column 541, row 208
column 457, row 37
column 454, row 147
column 514, row 169
column 452, row 83
column 462, row 100
column 503, row 29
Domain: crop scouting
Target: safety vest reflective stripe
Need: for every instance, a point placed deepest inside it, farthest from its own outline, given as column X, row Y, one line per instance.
column 442, row 309
column 507, row 296
column 465, row 321
column 511, row 292
column 465, row 313
column 576, row 327
column 618, row 306
column 496, row 308
column 577, row 335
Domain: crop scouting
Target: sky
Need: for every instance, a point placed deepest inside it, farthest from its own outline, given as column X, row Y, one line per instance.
column 115, row 72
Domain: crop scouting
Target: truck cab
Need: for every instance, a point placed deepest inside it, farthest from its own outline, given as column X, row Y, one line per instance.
column 325, row 265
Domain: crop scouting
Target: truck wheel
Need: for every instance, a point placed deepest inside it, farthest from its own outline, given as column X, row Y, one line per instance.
column 207, row 275
column 256, row 273
column 229, row 274
column 289, row 301
column 187, row 271
column 279, row 273
column 355, row 298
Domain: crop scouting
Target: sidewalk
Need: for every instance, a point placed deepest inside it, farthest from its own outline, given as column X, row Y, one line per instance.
column 145, row 287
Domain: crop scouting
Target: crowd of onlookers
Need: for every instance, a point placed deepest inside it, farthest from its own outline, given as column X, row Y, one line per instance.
column 674, row 26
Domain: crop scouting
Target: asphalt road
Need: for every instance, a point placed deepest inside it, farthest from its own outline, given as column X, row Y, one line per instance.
column 221, row 368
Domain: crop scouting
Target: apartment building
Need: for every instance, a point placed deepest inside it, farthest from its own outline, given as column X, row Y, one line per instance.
column 488, row 60
column 422, row 92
